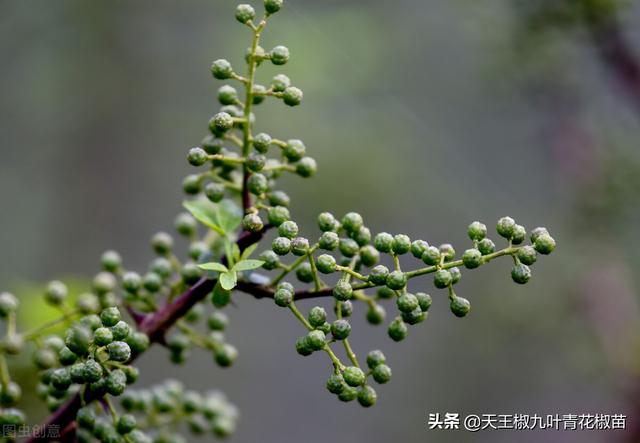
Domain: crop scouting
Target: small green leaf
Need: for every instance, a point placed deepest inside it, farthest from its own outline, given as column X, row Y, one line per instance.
column 205, row 213
column 228, row 280
column 236, row 252
column 214, row 267
column 246, row 265
column 229, row 215
column 228, row 250
column 248, row 251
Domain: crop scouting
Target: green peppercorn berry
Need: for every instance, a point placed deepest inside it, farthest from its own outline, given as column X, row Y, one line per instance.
column 304, row 273
column 340, row 329
column 227, row 95
column 279, row 55
column 378, row 275
column 537, row 232
column 376, row 314
column 55, row 293
column 126, row 423
column 88, row 303
column 303, row 347
column 85, row 417
column 279, row 198
column 162, row 243
column 401, row 244
column 431, row 256
column 92, row 371
column 255, row 162
column 544, row 244
column 396, row 280
column 352, row 222
column 191, row 184
column 102, row 336
column 335, row 384
column 459, row 306
column 369, row 255
column 381, row 373
column 197, row 249
column 162, row 267
column 197, row 156
column 259, row 94
column 306, row 167
column 288, row 229
column 472, row 258
column 442, row 278
column 261, row 142
column 413, row 317
column 286, row 285
column 519, row 234
column 131, row 282
column 353, row 376
column 78, row 339
column 66, row 356
column 45, row 358
column 257, row 184
column 367, row 396
column 270, row 259
column 120, row 330
column 221, row 69
column 116, row 382
column 505, row 227
column 283, row 297
column 299, row 246
column 346, row 308
column 328, row 241
column 278, row 215
column 76, row 371
column 280, row 82
column 385, row 293
column 294, row 150
column 152, row 282
column 244, row 13
column 10, row 394
column 362, row 236
column 348, row 394
column 217, row 321
column 211, row 144
column 61, row 379
column 214, row 192
column 8, row 304
column 272, row 6
column 342, row 290
column 327, row 222
column 220, row 123
column 252, row 222
column 375, row 358
column 316, row 339
column 521, row 273
column 477, row 231
column 456, row 275
column 104, row 282
column 407, row 302
column 486, row 246
column 326, row 264
column 317, row 316
column 397, row 329
column 447, row 251
column 418, row 247
column 348, row 247
column 292, row 96
column 119, row 351
column 110, row 316
column 138, row 342
column 178, row 343
column 53, row 342
column 527, row 255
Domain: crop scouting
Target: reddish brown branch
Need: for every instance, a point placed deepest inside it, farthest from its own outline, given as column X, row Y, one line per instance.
column 156, row 326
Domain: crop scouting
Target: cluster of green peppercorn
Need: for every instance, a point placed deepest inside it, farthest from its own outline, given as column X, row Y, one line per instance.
column 358, row 265
column 346, row 263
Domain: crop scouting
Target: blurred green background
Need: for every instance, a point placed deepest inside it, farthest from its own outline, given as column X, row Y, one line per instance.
column 423, row 116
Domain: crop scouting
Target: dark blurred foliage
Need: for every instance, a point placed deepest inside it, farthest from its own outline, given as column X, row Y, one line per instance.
column 423, row 115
